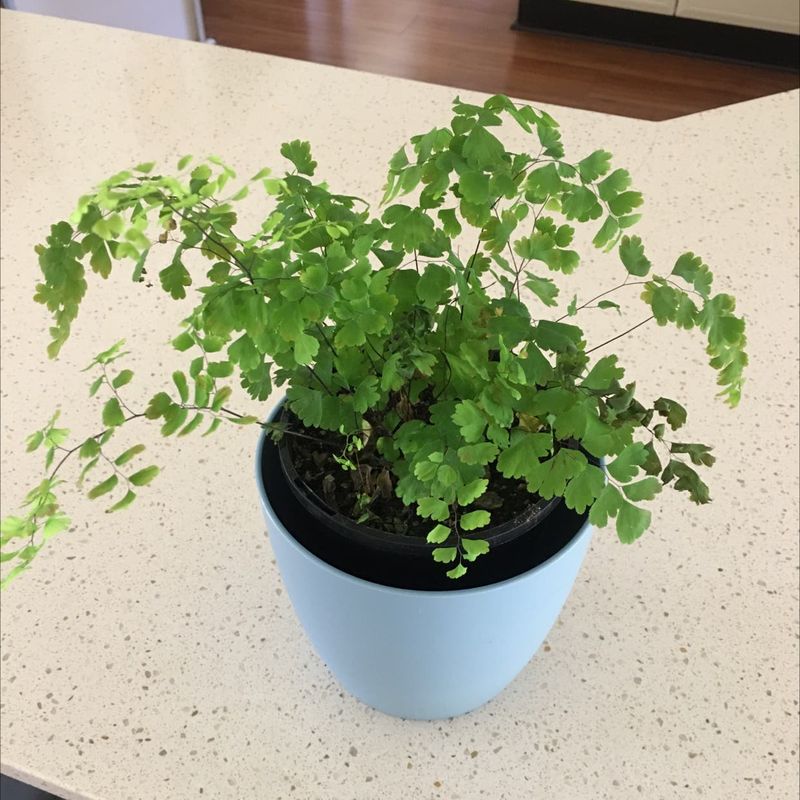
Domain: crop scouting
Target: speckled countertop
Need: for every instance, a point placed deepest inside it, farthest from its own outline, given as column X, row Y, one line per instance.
column 154, row 654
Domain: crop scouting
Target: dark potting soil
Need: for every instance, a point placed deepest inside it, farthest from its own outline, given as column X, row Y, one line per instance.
column 367, row 496
column 410, row 570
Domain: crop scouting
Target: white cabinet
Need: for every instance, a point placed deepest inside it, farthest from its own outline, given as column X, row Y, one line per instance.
column 653, row 6
column 181, row 19
column 772, row 15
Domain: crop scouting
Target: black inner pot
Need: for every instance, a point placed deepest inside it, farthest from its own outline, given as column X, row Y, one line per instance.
column 372, row 537
column 410, row 567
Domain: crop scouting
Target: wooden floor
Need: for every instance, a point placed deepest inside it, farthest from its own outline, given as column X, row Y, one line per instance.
column 469, row 44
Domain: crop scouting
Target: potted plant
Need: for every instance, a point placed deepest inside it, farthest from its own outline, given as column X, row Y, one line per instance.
column 446, row 440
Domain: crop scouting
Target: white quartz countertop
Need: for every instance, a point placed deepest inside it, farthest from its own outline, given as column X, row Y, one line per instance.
column 153, row 654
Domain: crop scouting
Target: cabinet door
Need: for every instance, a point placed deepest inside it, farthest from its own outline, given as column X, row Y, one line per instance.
column 653, row 6
column 772, row 15
column 180, row 19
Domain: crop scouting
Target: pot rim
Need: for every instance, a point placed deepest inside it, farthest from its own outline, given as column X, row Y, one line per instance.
column 497, row 534
column 576, row 541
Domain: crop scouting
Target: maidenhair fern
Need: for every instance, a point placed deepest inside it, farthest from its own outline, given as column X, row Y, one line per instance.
column 405, row 332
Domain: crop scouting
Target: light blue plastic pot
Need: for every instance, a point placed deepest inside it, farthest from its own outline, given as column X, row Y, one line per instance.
column 418, row 654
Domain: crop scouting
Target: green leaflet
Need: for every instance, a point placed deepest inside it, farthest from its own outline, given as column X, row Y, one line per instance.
column 350, row 335
column 409, row 228
column 522, row 455
column 580, row 203
column 305, row 348
column 549, row 478
column 584, row 488
column 604, row 374
column 474, row 519
column 652, row 463
column 606, row 505
column 544, row 288
column 438, row 534
column 471, row 420
column 687, row 481
column 557, row 336
column 112, row 413
column 594, row 165
column 625, row 202
column 433, row 508
column 663, row 299
column 444, row 555
column 426, row 470
column 481, row 453
column 474, row 187
column 174, row 279
column 195, row 423
column 104, row 487
column 123, row 378
column 450, row 223
column 314, row 277
column 89, row 449
column 179, row 379
column 129, row 497
column 700, row 454
column 544, row 181
column 457, row 572
column 645, row 489
column 126, row 456
column 299, row 153
column 174, row 417
column 625, row 466
column 483, row 149
column 631, row 251
column 632, row 522
column 606, row 233
column 673, row 411
column 474, row 548
column 183, row 341
column 614, row 184
column 692, row 269
column 471, row 491
column 433, row 285
column 144, row 476
column 366, row 394
column 54, row 526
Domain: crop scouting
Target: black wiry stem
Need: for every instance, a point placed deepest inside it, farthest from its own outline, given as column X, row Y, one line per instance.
column 620, row 335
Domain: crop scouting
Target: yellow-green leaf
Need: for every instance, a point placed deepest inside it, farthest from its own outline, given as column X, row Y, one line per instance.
column 103, row 488
column 144, row 476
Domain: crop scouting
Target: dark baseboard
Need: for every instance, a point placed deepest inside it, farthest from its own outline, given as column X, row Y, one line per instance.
column 661, row 31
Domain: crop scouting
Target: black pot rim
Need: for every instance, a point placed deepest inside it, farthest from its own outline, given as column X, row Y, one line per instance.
column 379, row 539
column 406, row 570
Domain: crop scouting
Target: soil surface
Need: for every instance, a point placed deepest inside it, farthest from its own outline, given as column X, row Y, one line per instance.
column 367, row 495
